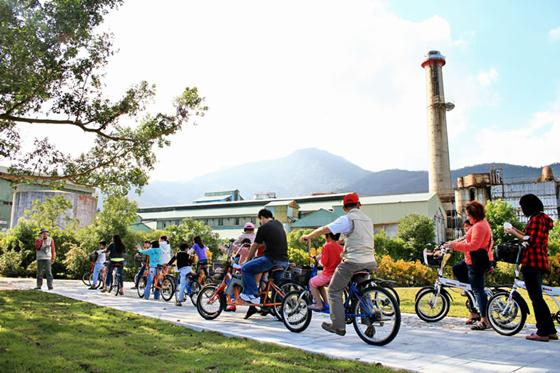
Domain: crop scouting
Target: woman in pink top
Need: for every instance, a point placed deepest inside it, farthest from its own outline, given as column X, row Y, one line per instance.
column 479, row 237
column 331, row 255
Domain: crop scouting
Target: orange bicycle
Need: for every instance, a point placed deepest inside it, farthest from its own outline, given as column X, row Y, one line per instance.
column 213, row 299
column 163, row 281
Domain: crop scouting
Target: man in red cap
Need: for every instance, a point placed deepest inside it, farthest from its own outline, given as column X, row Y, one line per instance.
column 358, row 255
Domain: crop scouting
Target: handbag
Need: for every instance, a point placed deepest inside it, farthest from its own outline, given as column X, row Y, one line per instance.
column 480, row 259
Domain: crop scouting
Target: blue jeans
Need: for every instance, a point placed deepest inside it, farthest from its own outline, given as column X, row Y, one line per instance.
column 148, row 289
column 256, row 266
column 476, row 279
column 139, row 274
column 96, row 270
column 183, row 282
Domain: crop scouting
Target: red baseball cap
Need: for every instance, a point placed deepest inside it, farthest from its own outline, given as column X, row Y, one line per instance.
column 351, row 199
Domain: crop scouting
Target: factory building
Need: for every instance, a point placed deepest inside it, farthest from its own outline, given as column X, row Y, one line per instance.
column 15, row 200
column 484, row 187
column 227, row 218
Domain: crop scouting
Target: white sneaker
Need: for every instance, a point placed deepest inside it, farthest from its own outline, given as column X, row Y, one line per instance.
column 250, row 298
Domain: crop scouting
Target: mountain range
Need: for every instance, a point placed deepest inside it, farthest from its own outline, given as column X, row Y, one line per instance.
column 309, row 171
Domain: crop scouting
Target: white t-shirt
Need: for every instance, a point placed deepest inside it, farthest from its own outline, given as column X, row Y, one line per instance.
column 165, row 252
column 340, row 225
column 101, row 257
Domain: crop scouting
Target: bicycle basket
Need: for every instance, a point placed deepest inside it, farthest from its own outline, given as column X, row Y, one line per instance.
column 432, row 260
column 507, row 252
column 301, row 276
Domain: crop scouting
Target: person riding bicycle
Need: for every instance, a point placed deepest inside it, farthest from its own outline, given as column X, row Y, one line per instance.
column 142, row 270
column 241, row 255
column 330, row 258
column 272, row 235
column 166, row 252
column 201, row 253
column 99, row 263
column 184, row 266
column 248, row 234
column 358, row 255
column 155, row 265
column 477, row 247
column 116, row 252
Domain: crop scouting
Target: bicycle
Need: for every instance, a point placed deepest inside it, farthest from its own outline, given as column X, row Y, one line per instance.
column 370, row 308
column 213, row 299
column 87, row 277
column 432, row 303
column 507, row 310
column 117, row 281
column 163, row 281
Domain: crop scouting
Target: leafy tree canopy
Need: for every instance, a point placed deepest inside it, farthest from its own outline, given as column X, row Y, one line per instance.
column 417, row 233
column 52, row 60
column 497, row 213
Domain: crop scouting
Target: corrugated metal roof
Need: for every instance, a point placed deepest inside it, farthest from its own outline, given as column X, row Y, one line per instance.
column 313, row 206
column 202, row 213
column 218, row 198
column 228, row 233
column 315, row 219
column 394, row 198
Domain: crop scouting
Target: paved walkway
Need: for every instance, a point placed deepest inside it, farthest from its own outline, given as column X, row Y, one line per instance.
column 441, row 347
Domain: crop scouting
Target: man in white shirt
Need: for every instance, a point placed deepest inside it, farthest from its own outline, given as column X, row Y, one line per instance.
column 358, row 255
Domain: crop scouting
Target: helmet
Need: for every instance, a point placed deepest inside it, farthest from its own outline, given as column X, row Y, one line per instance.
column 249, row 226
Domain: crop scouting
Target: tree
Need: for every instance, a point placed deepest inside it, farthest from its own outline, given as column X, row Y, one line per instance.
column 497, row 213
column 417, row 233
column 385, row 245
column 294, row 236
column 554, row 239
column 51, row 74
column 188, row 229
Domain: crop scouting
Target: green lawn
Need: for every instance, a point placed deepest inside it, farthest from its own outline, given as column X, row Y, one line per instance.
column 41, row 332
column 458, row 308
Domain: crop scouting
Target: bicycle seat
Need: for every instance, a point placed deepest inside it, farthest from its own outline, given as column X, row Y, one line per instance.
column 360, row 276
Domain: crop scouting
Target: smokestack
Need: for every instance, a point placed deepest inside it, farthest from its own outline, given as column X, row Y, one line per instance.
column 439, row 171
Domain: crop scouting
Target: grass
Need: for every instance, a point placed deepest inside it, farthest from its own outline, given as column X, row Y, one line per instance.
column 458, row 307
column 41, row 332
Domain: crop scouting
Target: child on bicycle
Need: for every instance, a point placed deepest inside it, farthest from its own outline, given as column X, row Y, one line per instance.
column 242, row 253
column 155, row 264
column 140, row 273
column 184, row 266
column 330, row 258
column 200, row 251
column 99, row 263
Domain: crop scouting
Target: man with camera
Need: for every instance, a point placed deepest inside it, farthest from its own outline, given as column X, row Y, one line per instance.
column 46, row 255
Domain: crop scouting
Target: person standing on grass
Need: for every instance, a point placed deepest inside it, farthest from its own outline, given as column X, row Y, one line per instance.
column 99, row 263
column 155, row 265
column 534, row 263
column 358, row 255
column 46, row 255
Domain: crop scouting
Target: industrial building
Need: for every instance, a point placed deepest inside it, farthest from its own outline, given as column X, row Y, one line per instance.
column 484, row 187
column 15, row 200
column 227, row 218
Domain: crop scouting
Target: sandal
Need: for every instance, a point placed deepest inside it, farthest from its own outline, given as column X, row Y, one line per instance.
column 472, row 320
column 480, row 325
column 536, row 337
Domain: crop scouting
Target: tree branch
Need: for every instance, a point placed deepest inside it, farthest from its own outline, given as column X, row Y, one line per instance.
column 69, row 122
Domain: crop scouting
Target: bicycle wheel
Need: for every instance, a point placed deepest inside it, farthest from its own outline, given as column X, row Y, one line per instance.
column 210, row 304
column 430, row 306
column 167, row 288
column 115, row 284
column 393, row 292
column 505, row 316
column 86, row 278
column 278, row 297
column 195, row 289
column 377, row 316
column 295, row 311
column 141, row 287
column 98, row 283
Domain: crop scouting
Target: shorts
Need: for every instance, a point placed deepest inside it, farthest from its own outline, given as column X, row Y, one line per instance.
column 320, row 281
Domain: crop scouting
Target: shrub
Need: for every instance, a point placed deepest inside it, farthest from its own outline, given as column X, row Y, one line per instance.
column 405, row 273
column 10, row 264
column 385, row 245
column 298, row 256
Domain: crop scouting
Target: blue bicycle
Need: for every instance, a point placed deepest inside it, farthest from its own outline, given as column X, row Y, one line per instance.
column 372, row 309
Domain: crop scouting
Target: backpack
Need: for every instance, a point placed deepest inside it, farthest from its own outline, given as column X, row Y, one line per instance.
column 93, row 256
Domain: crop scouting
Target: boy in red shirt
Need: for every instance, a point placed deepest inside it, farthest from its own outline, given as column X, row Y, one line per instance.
column 331, row 255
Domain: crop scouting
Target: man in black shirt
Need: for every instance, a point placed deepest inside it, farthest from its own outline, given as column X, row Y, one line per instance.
column 271, row 234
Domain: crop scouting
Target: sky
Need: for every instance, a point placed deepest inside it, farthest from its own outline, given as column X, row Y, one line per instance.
column 343, row 76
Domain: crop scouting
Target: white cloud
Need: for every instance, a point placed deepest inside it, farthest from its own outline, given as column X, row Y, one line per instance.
column 280, row 76
column 486, row 78
column 534, row 144
column 554, row 34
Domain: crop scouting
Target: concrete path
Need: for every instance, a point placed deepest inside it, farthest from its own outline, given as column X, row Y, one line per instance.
column 442, row 347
